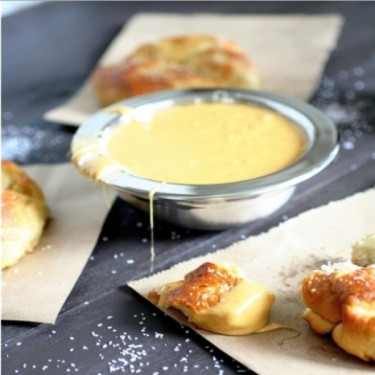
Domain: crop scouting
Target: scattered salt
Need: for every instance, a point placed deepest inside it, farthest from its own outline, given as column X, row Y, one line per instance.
column 359, row 85
column 358, row 71
column 348, row 145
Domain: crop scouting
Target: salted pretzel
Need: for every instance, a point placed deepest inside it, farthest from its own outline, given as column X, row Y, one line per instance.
column 217, row 297
column 340, row 301
column 190, row 61
column 24, row 213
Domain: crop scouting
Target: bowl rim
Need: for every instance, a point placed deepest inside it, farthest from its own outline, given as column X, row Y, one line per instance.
column 321, row 132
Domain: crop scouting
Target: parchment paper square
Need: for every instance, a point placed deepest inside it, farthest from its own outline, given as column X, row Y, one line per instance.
column 290, row 51
column 36, row 288
column 279, row 259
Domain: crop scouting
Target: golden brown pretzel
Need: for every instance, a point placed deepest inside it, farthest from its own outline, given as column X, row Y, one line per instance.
column 24, row 213
column 342, row 302
column 217, row 297
column 191, row 61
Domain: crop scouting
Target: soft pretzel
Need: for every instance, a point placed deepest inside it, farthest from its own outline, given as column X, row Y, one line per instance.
column 363, row 251
column 217, row 297
column 192, row 61
column 341, row 302
column 24, row 213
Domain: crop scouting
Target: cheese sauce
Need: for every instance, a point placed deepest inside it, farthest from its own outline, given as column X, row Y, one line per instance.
column 243, row 310
column 207, row 143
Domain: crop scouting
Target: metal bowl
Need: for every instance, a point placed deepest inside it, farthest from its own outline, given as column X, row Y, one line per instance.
column 208, row 207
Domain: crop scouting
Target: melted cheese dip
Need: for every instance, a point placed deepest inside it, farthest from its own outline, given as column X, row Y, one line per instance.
column 243, row 310
column 207, row 143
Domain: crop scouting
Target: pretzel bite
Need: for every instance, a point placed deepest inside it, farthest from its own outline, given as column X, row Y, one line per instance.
column 341, row 302
column 363, row 251
column 24, row 213
column 218, row 298
column 189, row 61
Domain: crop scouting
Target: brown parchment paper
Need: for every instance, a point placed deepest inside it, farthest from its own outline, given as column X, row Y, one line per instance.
column 279, row 259
column 36, row 288
column 290, row 51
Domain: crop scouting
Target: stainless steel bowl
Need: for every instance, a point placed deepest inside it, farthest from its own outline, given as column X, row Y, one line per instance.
column 211, row 207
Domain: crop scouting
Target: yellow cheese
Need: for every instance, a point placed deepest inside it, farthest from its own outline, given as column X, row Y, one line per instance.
column 242, row 310
column 207, row 143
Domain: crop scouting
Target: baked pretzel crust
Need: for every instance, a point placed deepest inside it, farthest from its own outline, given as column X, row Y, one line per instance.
column 193, row 61
column 24, row 213
column 342, row 302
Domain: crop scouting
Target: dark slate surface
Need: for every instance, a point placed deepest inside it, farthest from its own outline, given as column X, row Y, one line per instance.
column 104, row 327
